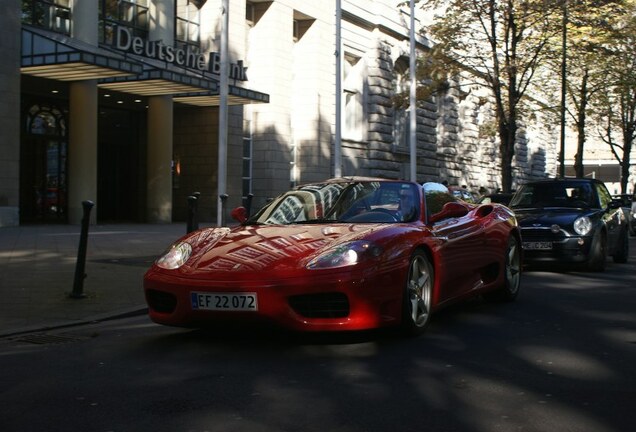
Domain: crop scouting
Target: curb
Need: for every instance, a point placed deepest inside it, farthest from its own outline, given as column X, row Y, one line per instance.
column 126, row 313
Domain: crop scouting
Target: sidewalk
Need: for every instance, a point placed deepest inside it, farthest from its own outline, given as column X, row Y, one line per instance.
column 37, row 271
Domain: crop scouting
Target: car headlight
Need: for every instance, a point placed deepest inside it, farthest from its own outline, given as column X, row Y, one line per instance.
column 582, row 225
column 175, row 257
column 346, row 254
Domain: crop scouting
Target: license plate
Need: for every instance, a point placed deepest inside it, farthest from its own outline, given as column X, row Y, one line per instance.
column 224, row 301
column 537, row 245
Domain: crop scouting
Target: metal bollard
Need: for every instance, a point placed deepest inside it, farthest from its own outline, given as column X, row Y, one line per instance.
column 192, row 223
column 195, row 224
column 248, row 204
column 224, row 198
column 80, row 275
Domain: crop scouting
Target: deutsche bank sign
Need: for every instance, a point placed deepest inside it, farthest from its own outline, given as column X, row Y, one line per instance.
column 186, row 58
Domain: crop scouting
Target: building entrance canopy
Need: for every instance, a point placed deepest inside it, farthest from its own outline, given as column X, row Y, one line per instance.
column 50, row 55
column 54, row 56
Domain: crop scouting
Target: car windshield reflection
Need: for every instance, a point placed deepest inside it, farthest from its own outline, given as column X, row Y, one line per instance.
column 353, row 202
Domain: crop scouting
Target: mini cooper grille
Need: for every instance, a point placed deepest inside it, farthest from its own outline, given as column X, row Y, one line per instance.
column 161, row 301
column 324, row 305
column 540, row 234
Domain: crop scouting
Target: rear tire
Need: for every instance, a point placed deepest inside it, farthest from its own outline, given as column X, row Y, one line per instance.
column 512, row 274
column 416, row 304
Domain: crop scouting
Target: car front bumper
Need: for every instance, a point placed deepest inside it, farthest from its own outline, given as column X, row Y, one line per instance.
column 556, row 251
column 329, row 302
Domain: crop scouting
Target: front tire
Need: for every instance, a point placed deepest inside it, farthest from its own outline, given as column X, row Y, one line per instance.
column 622, row 249
column 512, row 274
column 598, row 253
column 416, row 305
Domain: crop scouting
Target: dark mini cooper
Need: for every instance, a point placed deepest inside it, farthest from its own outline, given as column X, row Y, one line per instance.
column 570, row 221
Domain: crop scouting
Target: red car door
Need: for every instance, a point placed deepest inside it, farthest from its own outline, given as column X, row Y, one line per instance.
column 461, row 255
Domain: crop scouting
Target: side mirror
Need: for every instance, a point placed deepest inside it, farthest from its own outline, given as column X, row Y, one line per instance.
column 239, row 214
column 450, row 210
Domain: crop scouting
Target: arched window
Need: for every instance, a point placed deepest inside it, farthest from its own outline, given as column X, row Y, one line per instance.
column 45, row 120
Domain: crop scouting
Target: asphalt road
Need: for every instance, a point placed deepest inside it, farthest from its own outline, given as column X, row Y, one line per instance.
column 561, row 358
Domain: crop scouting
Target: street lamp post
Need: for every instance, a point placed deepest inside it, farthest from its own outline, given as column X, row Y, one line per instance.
column 412, row 98
column 337, row 156
column 223, row 114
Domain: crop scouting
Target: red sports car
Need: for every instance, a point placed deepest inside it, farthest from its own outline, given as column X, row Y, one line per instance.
column 344, row 254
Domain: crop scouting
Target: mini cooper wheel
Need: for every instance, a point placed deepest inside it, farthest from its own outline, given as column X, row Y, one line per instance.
column 512, row 274
column 416, row 310
column 622, row 249
column 598, row 253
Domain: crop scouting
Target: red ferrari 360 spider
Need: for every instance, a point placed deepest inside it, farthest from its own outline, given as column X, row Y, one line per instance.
column 344, row 254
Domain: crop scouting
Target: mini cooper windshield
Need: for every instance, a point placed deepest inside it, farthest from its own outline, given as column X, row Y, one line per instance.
column 347, row 202
column 555, row 194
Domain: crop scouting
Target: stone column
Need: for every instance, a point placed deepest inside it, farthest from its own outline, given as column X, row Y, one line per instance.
column 83, row 108
column 160, row 126
column 159, row 159
column 10, row 114
column 82, row 149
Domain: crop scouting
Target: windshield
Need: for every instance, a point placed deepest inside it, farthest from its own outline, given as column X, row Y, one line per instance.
column 557, row 194
column 358, row 201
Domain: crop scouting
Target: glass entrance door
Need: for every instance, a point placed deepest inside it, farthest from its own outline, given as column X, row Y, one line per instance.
column 118, row 195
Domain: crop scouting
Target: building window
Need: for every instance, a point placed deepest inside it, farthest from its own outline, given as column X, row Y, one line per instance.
column 254, row 11
column 45, row 120
column 353, row 98
column 52, row 15
column 43, row 165
column 301, row 23
column 132, row 14
column 187, row 23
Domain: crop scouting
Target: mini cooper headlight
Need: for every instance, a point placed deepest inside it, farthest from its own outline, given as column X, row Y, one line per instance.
column 176, row 256
column 346, row 254
column 582, row 225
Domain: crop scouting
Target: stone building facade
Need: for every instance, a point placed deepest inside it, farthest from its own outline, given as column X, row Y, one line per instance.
column 139, row 154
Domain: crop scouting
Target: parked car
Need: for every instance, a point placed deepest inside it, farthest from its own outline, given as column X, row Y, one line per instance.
column 499, row 198
column 632, row 217
column 629, row 208
column 570, row 221
column 343, row 254
column 463, row 194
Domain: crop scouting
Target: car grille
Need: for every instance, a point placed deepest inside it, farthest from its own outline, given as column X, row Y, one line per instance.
column 323, row 305
column 540, row 234
column 161, row 301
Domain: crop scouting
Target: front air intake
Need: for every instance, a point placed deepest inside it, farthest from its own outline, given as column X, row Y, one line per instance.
column 323, row 305
column 160, row 301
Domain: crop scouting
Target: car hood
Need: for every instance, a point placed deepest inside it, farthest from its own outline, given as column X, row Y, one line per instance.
column 262, row 249
column 549, row 216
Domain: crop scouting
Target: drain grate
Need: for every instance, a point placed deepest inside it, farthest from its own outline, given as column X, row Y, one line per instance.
column 46, row 338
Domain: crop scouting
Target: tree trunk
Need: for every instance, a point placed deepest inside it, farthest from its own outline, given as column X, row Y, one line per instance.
column 507, row 135
column 580, row 126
